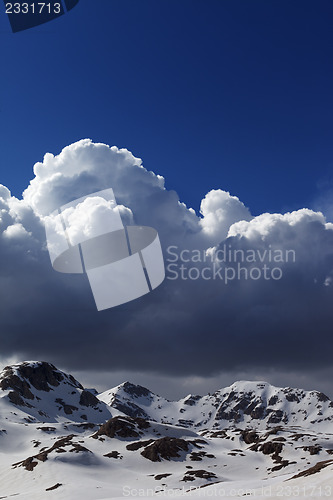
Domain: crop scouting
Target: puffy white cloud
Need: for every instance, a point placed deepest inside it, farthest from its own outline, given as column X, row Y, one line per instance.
column 304, row 232
column 18, row 221
column 276, row 226
column 16, row 231
column 90, row 218
column 220, row 210
column 5, row 194
column 86, row 167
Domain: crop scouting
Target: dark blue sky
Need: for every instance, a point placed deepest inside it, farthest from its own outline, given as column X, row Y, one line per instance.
column 231, row 94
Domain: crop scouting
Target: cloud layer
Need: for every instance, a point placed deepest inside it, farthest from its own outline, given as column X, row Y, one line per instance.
column 197, row 326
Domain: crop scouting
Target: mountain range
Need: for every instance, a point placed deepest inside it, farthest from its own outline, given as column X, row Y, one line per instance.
column 63, row 441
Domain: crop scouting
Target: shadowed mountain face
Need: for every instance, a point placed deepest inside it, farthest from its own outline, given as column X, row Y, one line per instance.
column 57, row 436
column 46, row 393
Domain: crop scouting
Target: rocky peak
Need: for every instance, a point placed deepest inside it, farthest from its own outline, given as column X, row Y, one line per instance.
column 46, row 393
column 242, row 403
column 41, row 375
column 136, row 391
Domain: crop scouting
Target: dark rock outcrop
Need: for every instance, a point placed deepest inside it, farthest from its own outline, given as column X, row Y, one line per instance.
column 59, row 447
column 249, row 436
column 313, row 450
column 136, row 390
column 113, row 454
column 88, row 399
column 54, row 487
column 130, row 409
column 312, row 470
column 68, row 409
column 122, row 427
column 22, row 378
column 191, row 475
column 166, row 448
column 138, row 444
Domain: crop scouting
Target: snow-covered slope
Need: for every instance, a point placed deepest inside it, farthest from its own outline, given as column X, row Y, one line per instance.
column 243, row 404
column 44, row 393
column 58, row 441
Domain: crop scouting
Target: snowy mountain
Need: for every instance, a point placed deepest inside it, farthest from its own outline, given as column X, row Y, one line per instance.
column 59, row 441
column 44, row 393
column 244, row 404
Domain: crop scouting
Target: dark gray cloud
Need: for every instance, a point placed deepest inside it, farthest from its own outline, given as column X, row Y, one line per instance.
column 194, row 329
column 177, row 387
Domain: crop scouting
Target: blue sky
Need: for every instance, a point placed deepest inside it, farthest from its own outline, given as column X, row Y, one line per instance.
column 211, row 94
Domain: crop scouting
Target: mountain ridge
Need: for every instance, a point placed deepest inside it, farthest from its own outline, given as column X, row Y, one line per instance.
column 243, row 403
column 240, row 403
column 142, row 440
